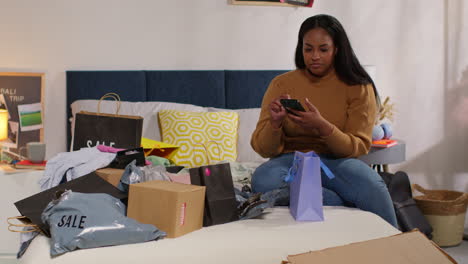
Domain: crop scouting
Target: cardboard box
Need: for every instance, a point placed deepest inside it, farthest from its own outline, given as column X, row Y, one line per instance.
column 111, row 175
column 410, row 247
column 172, row 207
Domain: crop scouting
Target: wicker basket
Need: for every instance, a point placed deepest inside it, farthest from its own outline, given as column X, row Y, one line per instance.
column 445, row 210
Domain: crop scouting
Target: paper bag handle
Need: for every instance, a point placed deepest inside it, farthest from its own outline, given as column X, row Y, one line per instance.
column 114, row 96
column 12, row 226
column 206, row 150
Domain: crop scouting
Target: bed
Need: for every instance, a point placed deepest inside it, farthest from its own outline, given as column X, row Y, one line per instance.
column 269, row 238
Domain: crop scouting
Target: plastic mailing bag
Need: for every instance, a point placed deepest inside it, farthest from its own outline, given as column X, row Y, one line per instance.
column 305, row 198
column 89, row 220
column 33, row 206
column 134, row 174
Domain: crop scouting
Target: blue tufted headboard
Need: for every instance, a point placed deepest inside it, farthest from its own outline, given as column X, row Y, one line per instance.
column 231, row 89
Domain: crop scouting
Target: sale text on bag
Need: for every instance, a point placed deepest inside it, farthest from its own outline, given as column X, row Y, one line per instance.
column 89, row 143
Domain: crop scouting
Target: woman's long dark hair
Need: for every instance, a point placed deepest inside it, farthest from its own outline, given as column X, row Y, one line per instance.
column 346, row 64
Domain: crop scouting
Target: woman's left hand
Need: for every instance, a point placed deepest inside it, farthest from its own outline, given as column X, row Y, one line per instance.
column 311, row 119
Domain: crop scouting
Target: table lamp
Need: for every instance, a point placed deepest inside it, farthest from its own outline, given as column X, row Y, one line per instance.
column 3, row 124
column 3, row 129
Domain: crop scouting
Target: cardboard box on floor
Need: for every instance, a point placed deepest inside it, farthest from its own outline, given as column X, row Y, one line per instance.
column 410, row 247
column 111, row 175
column 172, row 207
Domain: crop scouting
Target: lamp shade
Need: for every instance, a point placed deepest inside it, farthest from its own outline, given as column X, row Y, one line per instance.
column 3, row 124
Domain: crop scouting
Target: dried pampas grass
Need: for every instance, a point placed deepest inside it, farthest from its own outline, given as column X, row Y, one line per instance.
column 386, row 111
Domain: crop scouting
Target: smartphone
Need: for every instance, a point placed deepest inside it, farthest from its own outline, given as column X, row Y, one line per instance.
column 292, row 104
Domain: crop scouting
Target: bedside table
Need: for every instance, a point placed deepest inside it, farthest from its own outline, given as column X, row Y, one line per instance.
column 381, row 157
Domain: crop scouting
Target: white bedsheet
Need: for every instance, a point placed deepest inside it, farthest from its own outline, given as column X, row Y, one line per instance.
column 267, row 240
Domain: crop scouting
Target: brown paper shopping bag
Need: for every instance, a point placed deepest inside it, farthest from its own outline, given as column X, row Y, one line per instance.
column 119, row 131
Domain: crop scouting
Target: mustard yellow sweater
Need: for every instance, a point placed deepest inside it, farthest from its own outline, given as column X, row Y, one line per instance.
column 351, row 109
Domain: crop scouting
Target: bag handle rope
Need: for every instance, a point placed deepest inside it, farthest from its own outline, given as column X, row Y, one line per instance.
column 460, row 200
column 12, row 226
column 206, row 150
column 114, row 96
column 420, row 189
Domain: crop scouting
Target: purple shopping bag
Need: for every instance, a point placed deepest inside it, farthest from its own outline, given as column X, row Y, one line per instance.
column 305, row 198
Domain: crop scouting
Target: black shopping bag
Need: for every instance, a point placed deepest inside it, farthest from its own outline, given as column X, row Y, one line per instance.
column 220, row 200
column 408, row 214
column 124, row 157
column 118, row 131
column 33, row 206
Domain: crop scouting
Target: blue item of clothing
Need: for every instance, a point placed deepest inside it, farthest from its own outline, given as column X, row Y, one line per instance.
column 73, row 165
column 355, row 184
column 132, row 174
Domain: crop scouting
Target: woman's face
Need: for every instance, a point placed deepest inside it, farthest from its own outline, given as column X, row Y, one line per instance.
column 319, row 51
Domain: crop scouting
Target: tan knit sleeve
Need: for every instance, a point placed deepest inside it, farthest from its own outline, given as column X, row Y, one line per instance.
column 267, row 141
column 356, row 137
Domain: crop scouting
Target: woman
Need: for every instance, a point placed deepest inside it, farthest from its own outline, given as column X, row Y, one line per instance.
column 341, row 104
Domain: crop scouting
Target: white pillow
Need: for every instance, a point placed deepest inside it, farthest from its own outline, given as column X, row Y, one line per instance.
column 248, row 119
column 146, row 110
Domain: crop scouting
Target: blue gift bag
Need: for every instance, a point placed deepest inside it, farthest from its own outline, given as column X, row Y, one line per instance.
column 305, row 198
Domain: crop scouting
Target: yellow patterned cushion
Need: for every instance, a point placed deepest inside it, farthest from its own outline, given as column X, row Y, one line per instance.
column 195, row 131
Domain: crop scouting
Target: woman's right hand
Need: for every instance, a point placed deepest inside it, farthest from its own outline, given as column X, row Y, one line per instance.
column 277, row 111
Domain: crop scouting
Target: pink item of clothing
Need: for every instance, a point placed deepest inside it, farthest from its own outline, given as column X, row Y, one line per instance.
column 104, row 148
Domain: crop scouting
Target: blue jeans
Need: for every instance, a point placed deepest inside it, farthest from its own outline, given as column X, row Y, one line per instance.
column 355, row 184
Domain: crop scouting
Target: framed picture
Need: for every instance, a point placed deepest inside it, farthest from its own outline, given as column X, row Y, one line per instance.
column 307, row 3
column 22, row 95
column 295, row 3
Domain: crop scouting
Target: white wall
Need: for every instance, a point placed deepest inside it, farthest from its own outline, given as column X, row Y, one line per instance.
column 405, row 40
